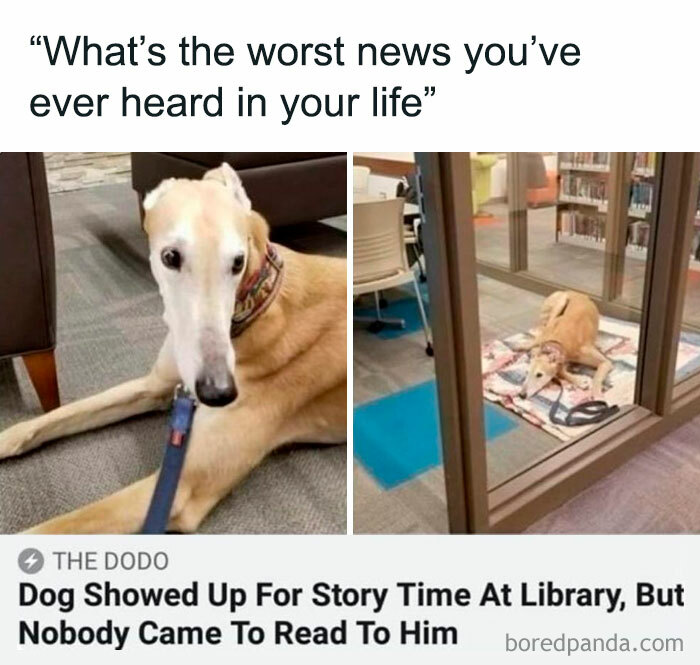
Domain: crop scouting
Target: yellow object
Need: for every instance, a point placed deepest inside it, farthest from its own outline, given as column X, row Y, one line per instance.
column 481, row 166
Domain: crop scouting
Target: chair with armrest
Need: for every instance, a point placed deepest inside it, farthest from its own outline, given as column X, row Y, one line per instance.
column 379, row 259
column 27, row 271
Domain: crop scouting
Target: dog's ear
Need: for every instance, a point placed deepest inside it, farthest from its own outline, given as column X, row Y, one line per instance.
column 258, row 237
column 154, row 195
column 259, row 230
column 232, row 181
column 554, row 356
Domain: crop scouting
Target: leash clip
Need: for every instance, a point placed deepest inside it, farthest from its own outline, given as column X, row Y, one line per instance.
column 183, row 412
column 181, row 390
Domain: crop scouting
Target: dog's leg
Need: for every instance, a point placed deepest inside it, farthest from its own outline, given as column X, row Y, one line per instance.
column 148, row 393
column 324, row 420
column 225, row 444
column 578, row 380
column 121, row 512
column 591, row 356
column 230, row 443
column 528, row 344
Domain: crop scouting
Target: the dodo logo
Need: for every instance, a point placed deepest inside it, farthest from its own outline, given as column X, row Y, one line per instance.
column 30, row 560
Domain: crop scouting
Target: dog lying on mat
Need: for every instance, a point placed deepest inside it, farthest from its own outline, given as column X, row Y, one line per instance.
column 567, row 334
column 256, row 331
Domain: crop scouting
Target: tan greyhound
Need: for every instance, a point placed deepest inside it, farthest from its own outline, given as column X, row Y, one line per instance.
column 567, row 333
column 281, row 379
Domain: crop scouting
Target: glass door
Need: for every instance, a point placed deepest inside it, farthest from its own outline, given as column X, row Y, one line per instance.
column 575, row 302
column 687, row 362
column 565, row 202
column 490, row 196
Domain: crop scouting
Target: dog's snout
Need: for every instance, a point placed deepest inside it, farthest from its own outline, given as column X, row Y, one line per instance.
column 216, row 392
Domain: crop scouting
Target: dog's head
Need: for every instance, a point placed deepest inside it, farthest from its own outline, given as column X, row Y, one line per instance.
column 546, row 362
column 205, row 240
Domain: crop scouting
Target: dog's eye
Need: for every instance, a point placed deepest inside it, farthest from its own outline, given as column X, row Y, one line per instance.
column 538, row 375
column 171, row 258
column 238, row 263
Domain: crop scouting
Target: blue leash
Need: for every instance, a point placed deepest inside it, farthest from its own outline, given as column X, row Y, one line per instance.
column 162, row 500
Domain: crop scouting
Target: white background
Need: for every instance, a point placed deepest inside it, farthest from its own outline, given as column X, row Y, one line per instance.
column 635, row 89
column 381, row 561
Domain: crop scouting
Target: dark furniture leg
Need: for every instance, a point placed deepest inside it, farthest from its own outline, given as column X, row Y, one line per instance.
column 42, row 371
column 142, row 212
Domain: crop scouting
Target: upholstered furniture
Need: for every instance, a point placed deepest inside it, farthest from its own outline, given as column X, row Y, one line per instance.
column 27, row 271
column 285, row 187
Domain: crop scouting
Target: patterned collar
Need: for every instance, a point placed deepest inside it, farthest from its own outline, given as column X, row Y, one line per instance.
column 256, row 294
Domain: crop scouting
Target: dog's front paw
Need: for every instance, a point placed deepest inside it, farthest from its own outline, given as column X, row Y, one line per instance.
column 582, row 382
column 17, row 439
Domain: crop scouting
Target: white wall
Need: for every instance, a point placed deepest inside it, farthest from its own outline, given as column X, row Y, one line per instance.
column 382, row 186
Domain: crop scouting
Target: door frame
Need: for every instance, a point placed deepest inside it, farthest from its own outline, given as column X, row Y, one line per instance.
column 450, row 251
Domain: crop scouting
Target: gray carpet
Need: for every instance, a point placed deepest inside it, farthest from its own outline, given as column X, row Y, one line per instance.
column 654, row 492
column 110, row 330
column 386, row 366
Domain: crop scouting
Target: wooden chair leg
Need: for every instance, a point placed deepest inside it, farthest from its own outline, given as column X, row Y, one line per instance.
column 42, row 371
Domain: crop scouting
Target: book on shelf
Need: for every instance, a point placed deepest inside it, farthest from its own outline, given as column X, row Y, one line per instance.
column 587, row 189
column 578, row 223
column 641, row 194
column 590, row 190
column 589, row 161
column 644, row 163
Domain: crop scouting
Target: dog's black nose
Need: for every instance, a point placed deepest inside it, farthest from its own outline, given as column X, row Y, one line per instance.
column 216, row 393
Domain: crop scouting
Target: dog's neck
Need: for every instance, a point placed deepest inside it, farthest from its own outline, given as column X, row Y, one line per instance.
column 258, row 291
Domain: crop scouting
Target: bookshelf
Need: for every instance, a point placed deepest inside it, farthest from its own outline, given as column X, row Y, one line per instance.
column 582, row 204
column 606, row 204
